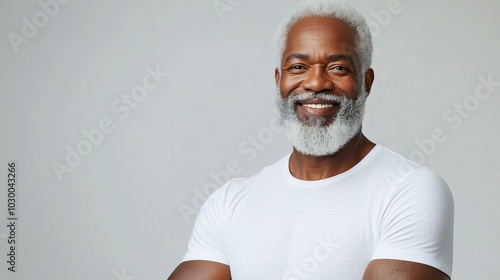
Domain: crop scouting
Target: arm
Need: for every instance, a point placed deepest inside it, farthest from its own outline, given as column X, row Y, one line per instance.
column 385, row 269
column 416, row 232
column 205, row 258
column 201, row 270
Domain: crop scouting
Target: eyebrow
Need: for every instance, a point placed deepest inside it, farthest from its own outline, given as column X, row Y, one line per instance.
column 332, row 57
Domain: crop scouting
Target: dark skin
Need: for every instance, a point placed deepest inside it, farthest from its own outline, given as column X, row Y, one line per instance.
column 201, row 270
column 316, row 59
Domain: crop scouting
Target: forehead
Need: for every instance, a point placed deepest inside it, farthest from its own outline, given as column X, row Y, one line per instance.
column 313, row 34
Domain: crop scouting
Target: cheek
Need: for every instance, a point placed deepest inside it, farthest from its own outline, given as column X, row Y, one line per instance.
column 349, row 86
column 288, row 85
column 284, row 89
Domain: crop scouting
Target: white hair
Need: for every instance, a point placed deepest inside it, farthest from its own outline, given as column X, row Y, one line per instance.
column 330, row 9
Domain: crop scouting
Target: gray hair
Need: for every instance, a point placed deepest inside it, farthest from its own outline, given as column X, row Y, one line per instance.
column 330, row 9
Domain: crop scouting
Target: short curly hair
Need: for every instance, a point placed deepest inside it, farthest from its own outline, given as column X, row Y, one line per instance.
column 331, row 9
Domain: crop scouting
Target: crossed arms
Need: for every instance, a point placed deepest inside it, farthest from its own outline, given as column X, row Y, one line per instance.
column 382, row 269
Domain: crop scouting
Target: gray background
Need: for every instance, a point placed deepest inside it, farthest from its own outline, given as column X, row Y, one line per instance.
column 127, row 210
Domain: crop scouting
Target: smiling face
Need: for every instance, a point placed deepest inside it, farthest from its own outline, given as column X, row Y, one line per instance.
column 319, row 57
column 321, row 87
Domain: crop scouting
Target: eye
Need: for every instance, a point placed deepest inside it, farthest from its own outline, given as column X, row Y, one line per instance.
column 339, row 69
column 296, row 68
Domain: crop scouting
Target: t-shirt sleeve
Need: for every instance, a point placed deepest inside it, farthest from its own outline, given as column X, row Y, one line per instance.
column 207, row 242
column 417, row 224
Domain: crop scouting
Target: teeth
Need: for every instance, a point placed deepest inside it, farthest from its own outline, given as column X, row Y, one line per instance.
column 318, row 106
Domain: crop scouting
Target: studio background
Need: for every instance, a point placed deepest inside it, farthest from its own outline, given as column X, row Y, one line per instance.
column 122, row 117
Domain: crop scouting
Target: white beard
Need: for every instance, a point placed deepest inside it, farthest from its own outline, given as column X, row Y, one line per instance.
column 313, row 135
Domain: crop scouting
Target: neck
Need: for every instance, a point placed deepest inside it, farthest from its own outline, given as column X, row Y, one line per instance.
column 312, row 168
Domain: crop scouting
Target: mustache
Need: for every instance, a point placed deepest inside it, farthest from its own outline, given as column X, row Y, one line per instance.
column 317, row 95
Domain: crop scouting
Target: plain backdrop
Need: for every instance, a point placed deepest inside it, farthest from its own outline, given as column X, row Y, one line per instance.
column 123, row 207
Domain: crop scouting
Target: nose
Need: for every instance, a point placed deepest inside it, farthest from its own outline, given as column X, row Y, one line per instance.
column 317, row 80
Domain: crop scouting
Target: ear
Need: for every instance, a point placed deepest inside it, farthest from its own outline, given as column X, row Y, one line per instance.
column 369, row 77
column 276, row 76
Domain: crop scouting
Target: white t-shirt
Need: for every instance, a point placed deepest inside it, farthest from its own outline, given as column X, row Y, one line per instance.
column 275, row 226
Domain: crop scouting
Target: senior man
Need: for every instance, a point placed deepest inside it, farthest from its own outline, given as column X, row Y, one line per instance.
column 339, row 206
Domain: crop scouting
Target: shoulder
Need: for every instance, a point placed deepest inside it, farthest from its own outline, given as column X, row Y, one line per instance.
column 402, row 173
column 422, row 193
column 237, row 188
column 416, row 224
column 412, row 190
column 391, row 160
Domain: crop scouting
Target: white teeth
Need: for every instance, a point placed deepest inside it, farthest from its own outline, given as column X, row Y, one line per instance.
column 318, row 106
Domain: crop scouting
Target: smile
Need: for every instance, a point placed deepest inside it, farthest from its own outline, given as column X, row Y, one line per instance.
column 318, row 106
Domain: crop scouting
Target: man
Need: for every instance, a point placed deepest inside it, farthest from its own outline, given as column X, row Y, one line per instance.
column 339, row 206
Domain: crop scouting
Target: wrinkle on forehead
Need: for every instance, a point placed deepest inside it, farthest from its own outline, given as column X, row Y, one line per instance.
column 321, row 36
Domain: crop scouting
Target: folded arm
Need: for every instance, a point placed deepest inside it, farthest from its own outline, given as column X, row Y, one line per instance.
column 385, row 269
column 201, row 270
